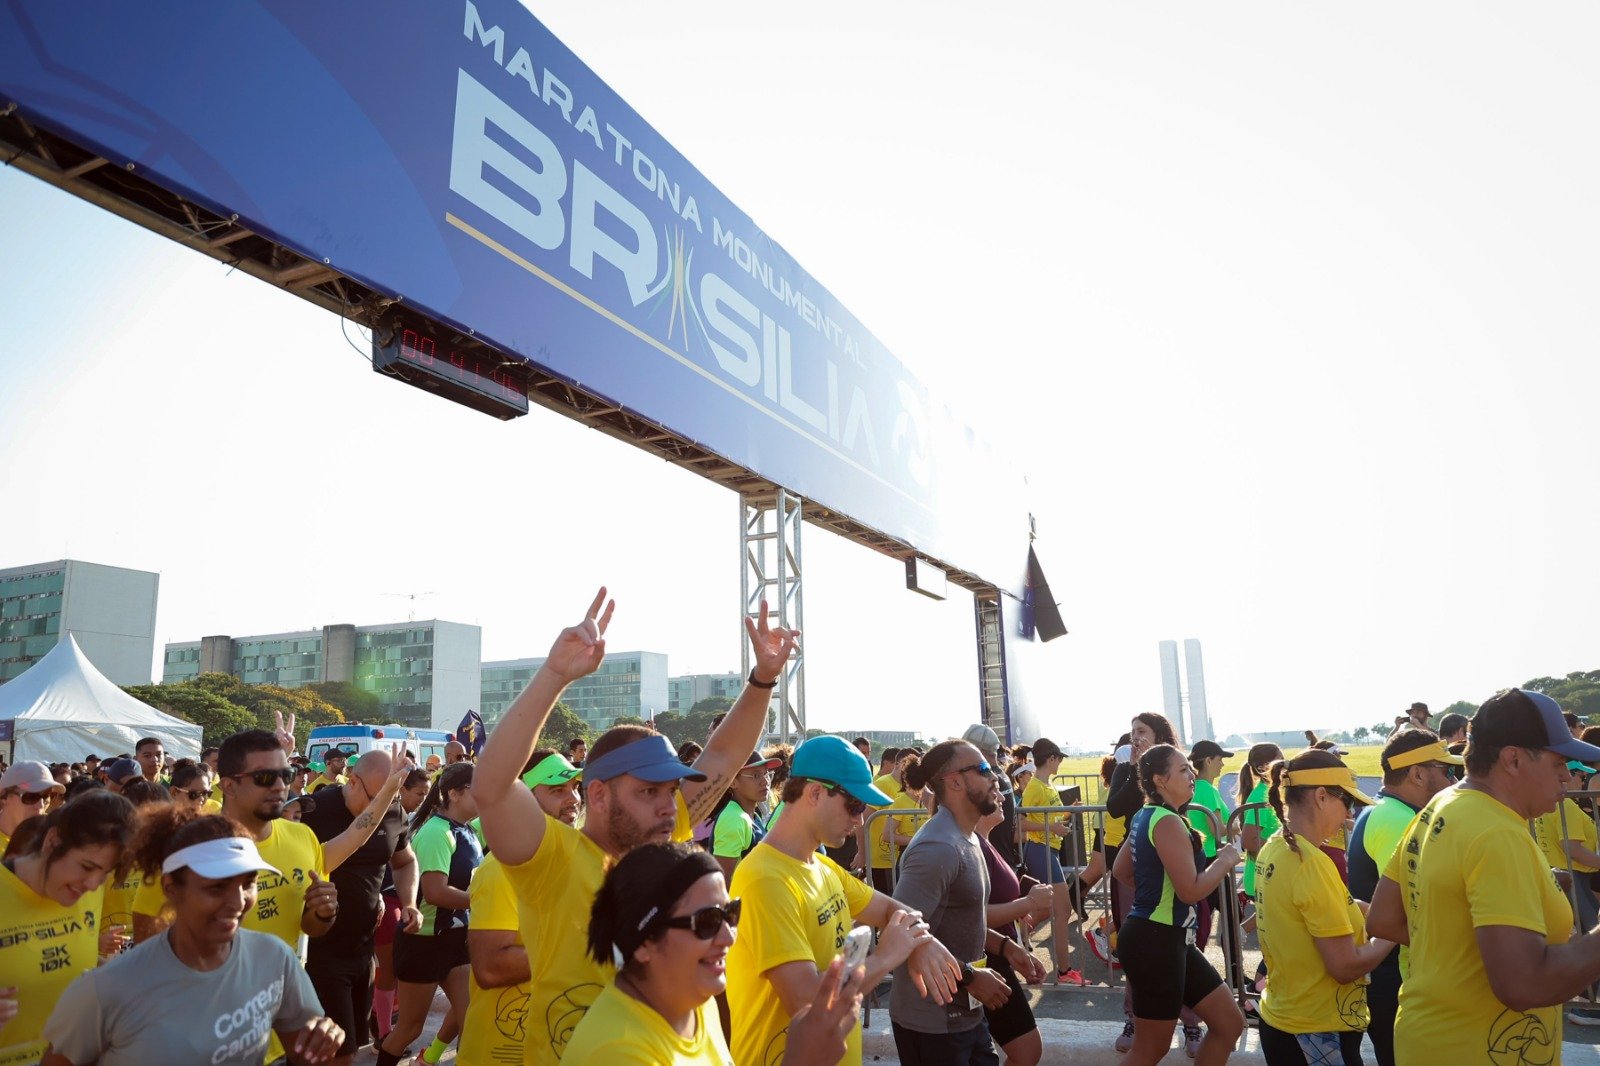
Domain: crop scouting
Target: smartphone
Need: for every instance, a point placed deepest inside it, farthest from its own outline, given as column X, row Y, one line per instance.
column 1071, row 796
column 857, row 943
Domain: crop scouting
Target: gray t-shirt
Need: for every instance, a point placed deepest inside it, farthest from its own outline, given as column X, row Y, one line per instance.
column 147, row 1006
column 943, row 875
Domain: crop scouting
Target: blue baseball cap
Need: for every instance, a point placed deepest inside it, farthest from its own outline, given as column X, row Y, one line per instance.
column 649, row 759
column 836, row 761
column 1522, row 719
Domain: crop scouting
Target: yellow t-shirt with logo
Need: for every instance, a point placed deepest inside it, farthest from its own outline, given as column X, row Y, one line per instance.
column 1039, row 794
column 1300, row 898
column 1467, row 860
column 1580, row 827
column 793, row 912
column 621, row 1031
column 555, row 890
column 290, row 847
column 493, row 1031
column 882, row 857
column 43, row 946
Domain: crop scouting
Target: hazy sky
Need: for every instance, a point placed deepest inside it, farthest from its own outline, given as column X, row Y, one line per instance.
column 1287, row 312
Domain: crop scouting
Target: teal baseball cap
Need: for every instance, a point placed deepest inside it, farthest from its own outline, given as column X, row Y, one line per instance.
column 835, row 761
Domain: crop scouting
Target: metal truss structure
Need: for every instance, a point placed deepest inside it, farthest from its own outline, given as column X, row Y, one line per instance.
column 770, row 573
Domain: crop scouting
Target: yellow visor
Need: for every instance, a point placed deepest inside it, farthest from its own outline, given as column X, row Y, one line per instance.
column 1330, row 776
column 1435, row 752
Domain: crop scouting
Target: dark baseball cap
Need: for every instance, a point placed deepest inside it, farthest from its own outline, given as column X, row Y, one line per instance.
column 1522, row 719
column 1044, row 749
column 1205, row 749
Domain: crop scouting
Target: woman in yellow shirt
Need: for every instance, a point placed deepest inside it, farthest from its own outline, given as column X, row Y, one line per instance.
column 1313, row 935
column 663, row 916
column 49, row 910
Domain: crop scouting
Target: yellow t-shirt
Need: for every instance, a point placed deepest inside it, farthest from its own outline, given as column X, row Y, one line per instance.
column 793, row 912
column 555, row 890
column 1467, row 860
column 322, row 780
column 211, row 806
column 1298, row 899
column 119, row 902
column 493, row 1031
column 908, row 825
column 43, row 946
column 1580, row 827
column 1039, row 794
column 882, row 857
column 621, row 1030
column 5, row 842
column 280, row 897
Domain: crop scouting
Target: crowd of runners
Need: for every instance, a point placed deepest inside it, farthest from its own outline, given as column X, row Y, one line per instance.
column 632, row 902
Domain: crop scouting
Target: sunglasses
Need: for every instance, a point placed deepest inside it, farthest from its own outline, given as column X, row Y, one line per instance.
column 197, row 794
column 852, row 805
column 32, row 799
column 981, row 768
column 267, row 778
column 707, row 922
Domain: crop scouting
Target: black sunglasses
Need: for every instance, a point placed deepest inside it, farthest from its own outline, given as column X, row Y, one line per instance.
column 982, row 769
column 196, row 794
column 32, row 799
column 707, row 922
column 266, row 778
column 852, row 805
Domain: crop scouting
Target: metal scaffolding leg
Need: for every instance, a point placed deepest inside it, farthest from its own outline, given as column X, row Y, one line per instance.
column 769, row 543
column 991, row 662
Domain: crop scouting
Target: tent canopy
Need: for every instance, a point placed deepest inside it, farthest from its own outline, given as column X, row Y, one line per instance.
column 62, row 709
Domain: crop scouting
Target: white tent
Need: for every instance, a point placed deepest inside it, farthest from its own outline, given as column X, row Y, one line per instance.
column 61, row 709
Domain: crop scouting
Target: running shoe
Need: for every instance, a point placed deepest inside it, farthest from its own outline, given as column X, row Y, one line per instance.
column 1192, row 1035
column 1586, row 1016
column 1104, row 950
column 1070, row 977
column 1125, row 1041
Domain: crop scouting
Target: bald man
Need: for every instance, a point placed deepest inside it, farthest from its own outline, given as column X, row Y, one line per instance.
column 340, row 961
column 455, row 752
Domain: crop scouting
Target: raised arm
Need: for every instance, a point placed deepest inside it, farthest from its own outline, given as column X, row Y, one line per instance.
column 347, row 843
column 741, row 731
column 513, row 824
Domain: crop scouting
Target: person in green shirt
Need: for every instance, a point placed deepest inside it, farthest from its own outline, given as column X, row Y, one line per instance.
column 1259, row 825
column 735, row 829
column 1207, row 757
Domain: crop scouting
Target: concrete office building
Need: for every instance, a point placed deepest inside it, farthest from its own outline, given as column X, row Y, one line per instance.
column 689, row 689
column 110, row 609
column 427, row 673
column 1183, row 693
column 628, row 684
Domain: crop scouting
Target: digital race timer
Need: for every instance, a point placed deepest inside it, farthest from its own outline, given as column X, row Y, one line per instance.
column 415, row 350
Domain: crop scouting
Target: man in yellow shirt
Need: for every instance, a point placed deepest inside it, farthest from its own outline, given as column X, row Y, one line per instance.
column 333, row 767
column 497, row 1005
column 632, row 784
column 1492, row 954
column 798, row 907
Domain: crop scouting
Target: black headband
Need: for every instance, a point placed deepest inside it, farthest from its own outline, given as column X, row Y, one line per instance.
column 643, row 921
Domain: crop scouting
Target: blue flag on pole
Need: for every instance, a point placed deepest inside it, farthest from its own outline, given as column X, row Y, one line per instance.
column 471, row 734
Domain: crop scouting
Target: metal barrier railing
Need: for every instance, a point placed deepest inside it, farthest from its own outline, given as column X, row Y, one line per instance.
column 1234, row 952
column 1577, row 881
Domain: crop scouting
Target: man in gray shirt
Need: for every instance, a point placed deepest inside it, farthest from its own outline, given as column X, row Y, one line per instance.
column 943, row 874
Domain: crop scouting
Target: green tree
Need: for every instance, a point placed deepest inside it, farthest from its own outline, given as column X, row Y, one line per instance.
column 358, row 704
column 1461, row 707
column 562, row 727
column 217, row 717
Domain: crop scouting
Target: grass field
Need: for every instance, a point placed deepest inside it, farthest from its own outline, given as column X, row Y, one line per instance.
column 1363, row 760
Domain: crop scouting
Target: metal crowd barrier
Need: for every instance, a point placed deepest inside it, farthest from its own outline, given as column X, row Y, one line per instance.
column 1577, row 881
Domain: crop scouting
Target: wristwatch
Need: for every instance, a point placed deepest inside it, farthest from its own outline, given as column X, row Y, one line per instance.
column 966, row 975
